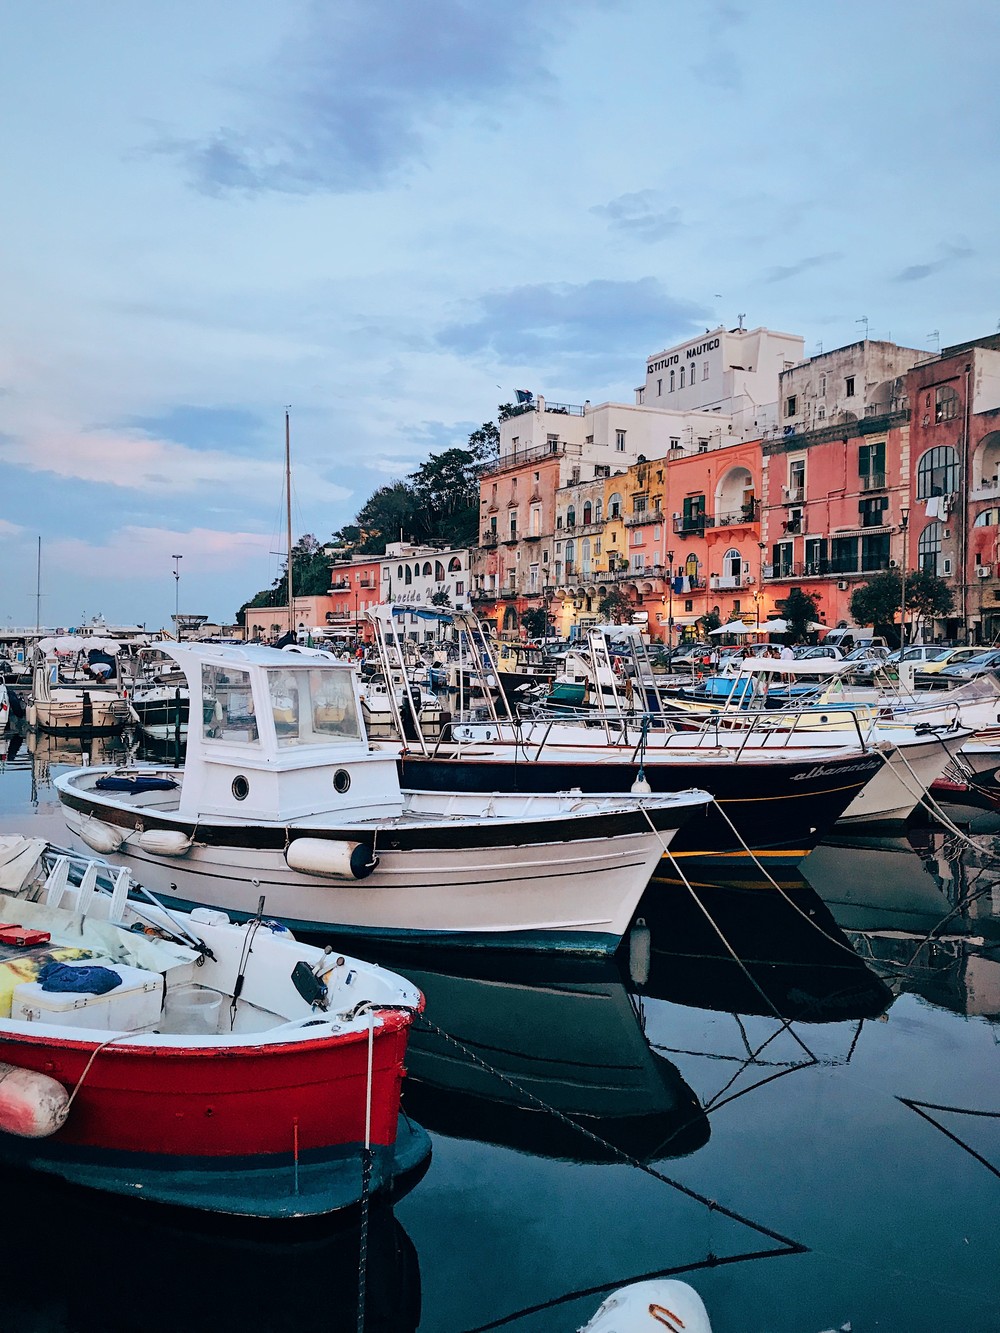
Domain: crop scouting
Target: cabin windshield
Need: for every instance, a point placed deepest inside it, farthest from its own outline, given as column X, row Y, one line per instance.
column 313, row 706
column 228, row 705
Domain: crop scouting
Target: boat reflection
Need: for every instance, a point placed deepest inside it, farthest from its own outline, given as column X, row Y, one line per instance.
column 922, row 910
column 570, row 1035
column 174, row 1270
column 794, row 962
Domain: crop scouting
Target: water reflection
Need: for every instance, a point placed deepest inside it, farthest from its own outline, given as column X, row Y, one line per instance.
column 111, row 1266
column 925, row 916
column 569, row 1035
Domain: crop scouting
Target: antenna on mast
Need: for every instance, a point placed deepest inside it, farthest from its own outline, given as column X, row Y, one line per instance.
column 288, row 515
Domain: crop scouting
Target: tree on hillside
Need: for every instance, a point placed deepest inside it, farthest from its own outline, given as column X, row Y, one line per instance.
column 877, row 602
column 615, row 607
column 446, row 488
column 799, row 610
column 310, row 576
column 391, row 514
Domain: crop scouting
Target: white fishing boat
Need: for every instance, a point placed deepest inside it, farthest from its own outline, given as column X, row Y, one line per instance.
column 282, row 794
column 76, row 686
column 159, row 696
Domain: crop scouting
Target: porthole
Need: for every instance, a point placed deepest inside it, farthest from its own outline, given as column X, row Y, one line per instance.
column 341, row 780
column 241, row 788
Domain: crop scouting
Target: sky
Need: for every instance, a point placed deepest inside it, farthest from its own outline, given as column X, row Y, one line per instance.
column 386, row 215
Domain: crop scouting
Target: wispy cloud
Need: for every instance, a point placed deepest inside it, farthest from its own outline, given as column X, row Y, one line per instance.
column 950, row 254
column 8, row 529
column 641, row 215
column 132, row 461
column 551, row 323
column 354, row 95
column 785, row 271
column 140, row 553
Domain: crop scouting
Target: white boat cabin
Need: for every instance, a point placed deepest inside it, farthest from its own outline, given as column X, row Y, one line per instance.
column 282, row 738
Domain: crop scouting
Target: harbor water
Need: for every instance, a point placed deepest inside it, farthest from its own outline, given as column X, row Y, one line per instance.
column 788, row 1094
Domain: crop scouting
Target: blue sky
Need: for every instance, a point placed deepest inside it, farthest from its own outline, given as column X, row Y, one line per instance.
column 388, row 214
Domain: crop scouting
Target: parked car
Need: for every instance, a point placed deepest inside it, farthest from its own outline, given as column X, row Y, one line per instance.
column 977, row 665
column 916, row 653
column 949, row 657
column 828, row 650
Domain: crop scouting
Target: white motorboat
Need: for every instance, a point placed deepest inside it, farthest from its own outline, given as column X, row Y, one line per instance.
column 282, row 794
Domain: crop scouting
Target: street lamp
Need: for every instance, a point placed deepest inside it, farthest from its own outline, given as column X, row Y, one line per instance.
column 177, row 592
column 670, row 593
column 904, row 518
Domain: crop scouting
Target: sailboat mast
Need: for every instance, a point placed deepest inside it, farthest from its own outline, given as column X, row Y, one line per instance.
column 288, row 515
column 38, row 590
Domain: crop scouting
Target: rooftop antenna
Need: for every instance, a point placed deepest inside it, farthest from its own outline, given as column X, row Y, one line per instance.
column 741, row 318
column 935, row 337
column 819, row 347
column 863, row 320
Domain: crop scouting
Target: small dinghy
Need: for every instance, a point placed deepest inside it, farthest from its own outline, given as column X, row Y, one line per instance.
column 648, row 1307
column 188, row 1060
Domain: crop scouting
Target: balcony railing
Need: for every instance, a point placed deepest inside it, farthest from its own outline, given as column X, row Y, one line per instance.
column 875, row 481
column 490, row 538
column 786, row 570
column 749, row 513
column 644, row 516
column 691, row 525
column 792, row 495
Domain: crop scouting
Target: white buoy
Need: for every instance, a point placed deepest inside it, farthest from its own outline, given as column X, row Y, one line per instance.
column 164, row 842
column 640, row 787
column 651, row 1307
column 101, row 837
column 330, row 858
column 32, row 1106
column 640, row 952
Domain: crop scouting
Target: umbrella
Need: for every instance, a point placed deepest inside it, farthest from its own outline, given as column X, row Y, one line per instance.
column 779, row 626
column 734, row 627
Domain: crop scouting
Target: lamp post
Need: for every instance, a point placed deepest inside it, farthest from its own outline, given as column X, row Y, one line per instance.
column 904, row 518
column 670, row 594
column 177, row 593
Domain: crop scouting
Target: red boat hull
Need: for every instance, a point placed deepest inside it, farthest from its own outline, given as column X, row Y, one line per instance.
column 211, row 1102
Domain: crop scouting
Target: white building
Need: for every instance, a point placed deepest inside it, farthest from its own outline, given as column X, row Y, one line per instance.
column 416, row 575
column 732, row 371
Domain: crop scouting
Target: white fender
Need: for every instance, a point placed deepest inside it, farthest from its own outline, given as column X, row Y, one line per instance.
column 101, row 837
column 327, row 857
column 663, row 1303
column 32, row 1106
column 164, row 842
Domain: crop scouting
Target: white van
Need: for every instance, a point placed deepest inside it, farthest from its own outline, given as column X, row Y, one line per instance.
column 850, row 637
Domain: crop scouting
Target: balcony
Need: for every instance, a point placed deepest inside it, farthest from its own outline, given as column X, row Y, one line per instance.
column 793, row 495
column 988, row 490
column 875, row 481
column 749, row 513
column 692, row 525
column 340, row 585
column 724, row 582
column 490, row 538
column 644, row 516
column 788, row 570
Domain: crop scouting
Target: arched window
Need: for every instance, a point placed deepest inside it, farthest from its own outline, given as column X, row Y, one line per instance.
column 614, row 506
column 569, row 553
column 989, row 518
column 438, row 571
column 598, row 510
column 399, row 572
column 571, row 517
column 407, row 576
column 454, row 565
column 427, row 569
column 585, row 558
column 682, row 377
column 691, row 566
column 510, row 618
column 929, row 548
column 732, row 563
column 937, row 472
column 588, row 513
